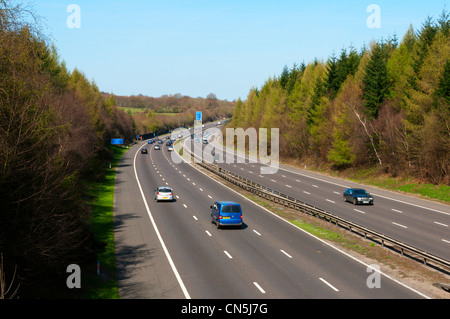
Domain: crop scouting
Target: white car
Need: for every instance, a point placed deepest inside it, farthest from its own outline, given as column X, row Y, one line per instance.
column 170, row 148
column 164, row 193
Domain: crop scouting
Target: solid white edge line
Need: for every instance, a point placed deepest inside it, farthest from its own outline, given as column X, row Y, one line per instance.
column 309, row 234
column 346, row 186
column 166, row 251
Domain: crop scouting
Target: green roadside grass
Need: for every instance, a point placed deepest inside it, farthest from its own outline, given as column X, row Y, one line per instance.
column 104, row 286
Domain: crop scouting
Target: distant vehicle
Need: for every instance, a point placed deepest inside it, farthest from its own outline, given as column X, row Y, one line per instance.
column 205, row 141
column 225, row 213
column 170, row 148
column 160, row 142
column 169, row 143
column 150, row 141
column 157, row 147
column 358, row 196
column 164, row 193
column 144, row 151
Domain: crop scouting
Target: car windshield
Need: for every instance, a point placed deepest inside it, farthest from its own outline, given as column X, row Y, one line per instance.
column 359, row 192
column 231, row 209
column 165, row 190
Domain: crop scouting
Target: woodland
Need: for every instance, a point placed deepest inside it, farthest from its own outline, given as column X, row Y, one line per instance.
column 385, row 107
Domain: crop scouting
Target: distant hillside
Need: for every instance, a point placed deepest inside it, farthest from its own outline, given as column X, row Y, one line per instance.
column 167, row 112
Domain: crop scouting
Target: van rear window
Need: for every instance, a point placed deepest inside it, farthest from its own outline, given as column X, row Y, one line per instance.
column 231, row 209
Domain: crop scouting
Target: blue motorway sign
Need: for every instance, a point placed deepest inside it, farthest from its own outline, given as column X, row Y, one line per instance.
column 117, row 141
column 198, row 116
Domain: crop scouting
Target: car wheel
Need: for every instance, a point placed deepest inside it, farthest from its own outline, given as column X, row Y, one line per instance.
column 345, row 199
column 354, row 201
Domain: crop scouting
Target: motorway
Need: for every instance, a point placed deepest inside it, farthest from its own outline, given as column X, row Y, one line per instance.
column 420, row 223
column 172, row 250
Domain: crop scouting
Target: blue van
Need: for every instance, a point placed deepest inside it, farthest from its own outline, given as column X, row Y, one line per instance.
column 224, row 213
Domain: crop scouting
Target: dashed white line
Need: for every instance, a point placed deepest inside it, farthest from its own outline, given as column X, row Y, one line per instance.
column 195, row 217
column 259, row 287
column 445, row 225
column 184, row 205
column 328, row 284
column 359, row 211
column 285, row 253
column 201, row 189
column 315, row 186
column 209, row 234
column 329, row 200
column 209, row 196
column 257, row 233
column 447, row 241
column 288, row 186
column 228, row 254
column 336, row 192
column 307, row 192
column 400, row 225
column 396, row 210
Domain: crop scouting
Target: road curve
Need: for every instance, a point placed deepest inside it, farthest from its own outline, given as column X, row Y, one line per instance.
column 172, row 250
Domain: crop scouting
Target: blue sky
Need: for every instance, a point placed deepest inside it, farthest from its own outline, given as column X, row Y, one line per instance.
column 197, row 47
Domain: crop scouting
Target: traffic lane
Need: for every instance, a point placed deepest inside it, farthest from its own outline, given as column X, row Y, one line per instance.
column 315, row 178
column 381, row 220
column 258, row 257
column 198, row 262
column 143, row 270
column 271, row 251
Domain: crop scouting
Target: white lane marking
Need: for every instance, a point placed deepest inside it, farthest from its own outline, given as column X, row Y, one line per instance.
column 209, row 234
column 259, row 287
column 177, row 196
column 228, row 254
column 201, row 189
column 396, row 210
column 288, row 186
column 209, row 196
column 329, row 200
column 166, row 251
column 307, row 192
column 184, row 205
column 257, row 233
column 297, row 181
column 336, row 192
column 447, row 241
column 195, row 217
column 273, row 180
column 309, row 234
column 445, row 225
column 400, row 225
column 316, row 186
column 359, row 211
column 328, row 284
column 285, row 253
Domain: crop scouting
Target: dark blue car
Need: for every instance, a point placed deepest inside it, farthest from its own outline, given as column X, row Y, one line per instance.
column 358, row 196
column 225, row 213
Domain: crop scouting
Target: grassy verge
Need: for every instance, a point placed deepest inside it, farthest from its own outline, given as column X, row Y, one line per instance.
column 105, row 285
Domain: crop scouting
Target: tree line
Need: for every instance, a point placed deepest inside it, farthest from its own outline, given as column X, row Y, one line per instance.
column 169, row 112
column 386, row 106
column 55, row 128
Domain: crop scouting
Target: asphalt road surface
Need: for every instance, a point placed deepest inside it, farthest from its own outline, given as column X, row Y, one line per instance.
column 172, row 250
